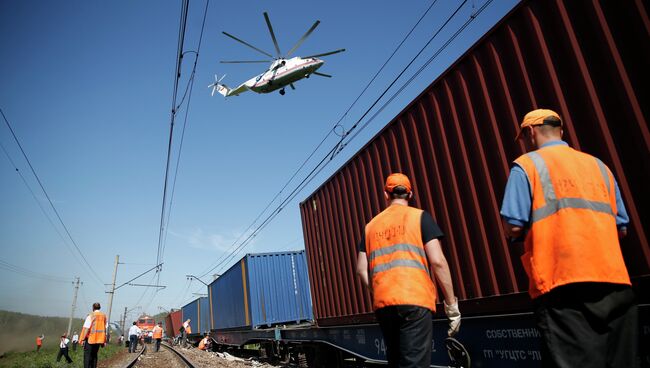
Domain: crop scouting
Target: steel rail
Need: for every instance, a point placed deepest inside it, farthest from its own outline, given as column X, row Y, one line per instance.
column 183, row 358
column 135, row 360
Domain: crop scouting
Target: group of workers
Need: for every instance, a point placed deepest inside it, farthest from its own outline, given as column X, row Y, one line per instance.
column 566, row 207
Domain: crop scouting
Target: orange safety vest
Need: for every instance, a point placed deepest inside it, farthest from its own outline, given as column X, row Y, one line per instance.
column 157, row 332
column 573, row 236
column 39, row 341
column 188, row 329
column 202, row 344
column 96, row 334
column 397, row 260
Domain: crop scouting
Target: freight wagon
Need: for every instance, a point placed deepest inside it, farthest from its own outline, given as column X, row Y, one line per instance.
column 173, row 323
column 455, row 141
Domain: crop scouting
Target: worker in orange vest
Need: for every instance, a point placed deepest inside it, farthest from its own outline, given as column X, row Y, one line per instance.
column 399, row 248
column 39, row 342
column 204, row 344
column 566, row 206
column 187, row 329
column 93, row 335
column 157, row 335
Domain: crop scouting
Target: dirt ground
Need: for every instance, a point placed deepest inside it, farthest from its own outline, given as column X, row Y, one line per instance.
column 208, row 359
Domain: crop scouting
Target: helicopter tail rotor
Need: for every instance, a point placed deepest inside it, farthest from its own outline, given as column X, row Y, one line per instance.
column 219, row 87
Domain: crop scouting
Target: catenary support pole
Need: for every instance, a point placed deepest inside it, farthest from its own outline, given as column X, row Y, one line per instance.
column 112, row 292
column 74, row 306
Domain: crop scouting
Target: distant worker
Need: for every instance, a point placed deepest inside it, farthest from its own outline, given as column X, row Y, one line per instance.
column 187, row 329
column 93, row 336
column 39, row 342
column 134, row 335
column 397, row 249
column 205, row 343
column 157, row 335
column 63, row 349
column 567, row 207
column 75, row 341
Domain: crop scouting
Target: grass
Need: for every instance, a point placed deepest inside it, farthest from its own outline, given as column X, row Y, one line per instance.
column 46, row 358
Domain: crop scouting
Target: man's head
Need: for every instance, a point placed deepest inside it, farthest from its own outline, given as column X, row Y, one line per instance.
column 160, row 324
column 96, row 306
column 398, row 186
column 134, row 323
column 540, row 126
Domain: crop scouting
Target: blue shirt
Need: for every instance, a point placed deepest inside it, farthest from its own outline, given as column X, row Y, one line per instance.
column 517, row 200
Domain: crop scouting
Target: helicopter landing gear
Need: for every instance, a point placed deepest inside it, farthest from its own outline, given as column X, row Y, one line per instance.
column 282, row 92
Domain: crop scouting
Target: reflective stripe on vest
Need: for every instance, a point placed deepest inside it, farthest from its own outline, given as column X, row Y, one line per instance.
column 572, row 236
column 97, row 333
column 398, row 264
column 553, row 204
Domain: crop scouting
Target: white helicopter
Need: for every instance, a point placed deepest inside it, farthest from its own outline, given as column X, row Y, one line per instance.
column 282, row 72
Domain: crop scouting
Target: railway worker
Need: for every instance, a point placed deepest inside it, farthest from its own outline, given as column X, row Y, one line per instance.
column 204, row 344
column 187, row 329
column 134, row 335
column 567, row 207
column 395, row 254
column 75, row 341
column 93, row 336
column 157, row 335
column 39, row 342
column 63, row 349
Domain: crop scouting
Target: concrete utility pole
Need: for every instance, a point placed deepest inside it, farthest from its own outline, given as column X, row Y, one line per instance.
column 124, row 323
column 112, row 292
column 74, row 305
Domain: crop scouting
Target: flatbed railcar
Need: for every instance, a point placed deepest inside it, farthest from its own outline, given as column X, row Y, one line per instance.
column 586, row 60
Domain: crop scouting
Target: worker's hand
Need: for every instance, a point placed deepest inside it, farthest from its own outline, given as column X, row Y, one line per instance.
column 453, row 313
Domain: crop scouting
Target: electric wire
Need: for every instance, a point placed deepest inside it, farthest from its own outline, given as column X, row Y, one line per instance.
column 40, row 205
column 33, row 274
column 332, row 130
column 337, row 148
column 94, row 273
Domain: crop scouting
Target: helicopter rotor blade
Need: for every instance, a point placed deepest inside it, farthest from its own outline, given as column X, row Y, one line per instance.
column 322, row 74
column 220, row 79
column 323, row 54
column 303, row 38
column 247, row 44
column 275, row 42
column 245, row 61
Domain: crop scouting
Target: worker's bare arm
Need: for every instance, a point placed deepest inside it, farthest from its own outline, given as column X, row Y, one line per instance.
column 440, row 268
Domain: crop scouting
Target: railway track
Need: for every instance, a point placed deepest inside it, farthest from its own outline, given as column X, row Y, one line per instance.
column 166, row 357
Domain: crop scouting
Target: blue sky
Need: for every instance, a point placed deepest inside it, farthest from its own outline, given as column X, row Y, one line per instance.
column 87, row 88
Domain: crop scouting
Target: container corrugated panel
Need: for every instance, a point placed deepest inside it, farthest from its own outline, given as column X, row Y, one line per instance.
column 173, row 323
column 227, row 293
column 191, row 311
column 279, row 288
column 204, row 315
column 584, row 59
column 262, row 290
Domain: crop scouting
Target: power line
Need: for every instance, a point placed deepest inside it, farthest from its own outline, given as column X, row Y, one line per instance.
column 332, row 130
column 40, row 205
column 30, row 273
column 49, row 200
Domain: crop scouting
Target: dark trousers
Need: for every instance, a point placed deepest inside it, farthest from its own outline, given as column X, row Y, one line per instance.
column 90, row 355
column 63, row 352
column 158, row 344
column 133, row 343
column 588, row 325
column 407, row 334
column 74, row 346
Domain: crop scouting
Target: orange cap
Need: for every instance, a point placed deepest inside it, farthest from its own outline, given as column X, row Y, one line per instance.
column 396, row 180
column 540, row 117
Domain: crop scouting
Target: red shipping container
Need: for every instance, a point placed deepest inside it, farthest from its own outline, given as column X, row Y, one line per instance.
column 456, row 142
column 173, row 323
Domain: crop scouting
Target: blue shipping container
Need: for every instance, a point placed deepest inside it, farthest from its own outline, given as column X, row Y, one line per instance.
column 191, row 311
column 204, row 315
column 262, row 290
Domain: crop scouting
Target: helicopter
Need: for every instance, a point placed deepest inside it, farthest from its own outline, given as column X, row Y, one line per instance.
column 283, row 71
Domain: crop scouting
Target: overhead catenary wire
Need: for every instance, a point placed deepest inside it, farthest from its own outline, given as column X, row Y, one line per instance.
column 329, row 133
column 40, row 183
column 31, row 273
column 338, row 147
